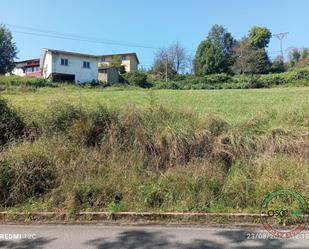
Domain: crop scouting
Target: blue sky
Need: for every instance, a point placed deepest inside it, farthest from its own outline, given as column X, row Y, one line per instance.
column 149, row 23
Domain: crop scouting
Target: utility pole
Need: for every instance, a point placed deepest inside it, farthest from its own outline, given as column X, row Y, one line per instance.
column 281, row 36
column 166, row 68
column 241, row 59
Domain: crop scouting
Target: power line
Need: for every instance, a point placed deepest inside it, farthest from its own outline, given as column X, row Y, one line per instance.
column 61, row 35
column 68, row 36
column 82, row 40
column 57, row 33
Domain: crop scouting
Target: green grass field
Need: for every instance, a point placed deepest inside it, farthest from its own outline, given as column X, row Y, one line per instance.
column 234, row 106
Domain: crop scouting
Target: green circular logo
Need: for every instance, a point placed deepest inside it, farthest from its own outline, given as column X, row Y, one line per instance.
column 283, row 208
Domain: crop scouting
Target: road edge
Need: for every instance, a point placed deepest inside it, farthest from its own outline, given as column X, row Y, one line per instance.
column 133, row 218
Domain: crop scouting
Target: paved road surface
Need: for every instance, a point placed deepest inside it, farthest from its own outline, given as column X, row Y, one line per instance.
column 131, row 237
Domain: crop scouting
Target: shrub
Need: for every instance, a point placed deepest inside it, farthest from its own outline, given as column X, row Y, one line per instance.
column 25, row 174
column 11, row 124
column 256, row 82
column 216, row 125
column 224, row 81
column 102, row 119
column 217, row 78
column 137, row 78
column 90, row 127
column 61, row 117
column 167, row 85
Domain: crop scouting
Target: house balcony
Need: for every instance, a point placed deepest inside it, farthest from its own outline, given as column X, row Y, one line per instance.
column 103, row 65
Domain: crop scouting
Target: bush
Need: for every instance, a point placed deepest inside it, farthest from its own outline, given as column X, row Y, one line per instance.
column 11, row 124
column 224, row 81
column 61, row 117
column 137, row 78
column 217, row 78
column 167, row 85
column 101, row 122
column 25, row 174
column 256, row 82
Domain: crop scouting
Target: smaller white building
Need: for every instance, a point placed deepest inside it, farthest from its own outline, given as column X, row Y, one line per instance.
column 69, row 66
column 27, row 68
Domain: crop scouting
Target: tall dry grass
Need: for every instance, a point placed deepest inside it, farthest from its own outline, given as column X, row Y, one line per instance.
column 150, row 159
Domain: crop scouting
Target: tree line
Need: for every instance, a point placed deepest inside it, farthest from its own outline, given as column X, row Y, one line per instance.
column 221, row 53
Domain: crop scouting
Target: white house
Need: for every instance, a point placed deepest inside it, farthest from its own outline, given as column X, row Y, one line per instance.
column 70, row 66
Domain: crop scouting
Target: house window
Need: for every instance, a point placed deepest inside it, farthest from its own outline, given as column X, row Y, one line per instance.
column 103, row 59
column 86, row 64
column 64, row 62
column 123, row 58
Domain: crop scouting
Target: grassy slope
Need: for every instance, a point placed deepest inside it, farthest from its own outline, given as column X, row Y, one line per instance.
column 268, row 142
column 232, row 105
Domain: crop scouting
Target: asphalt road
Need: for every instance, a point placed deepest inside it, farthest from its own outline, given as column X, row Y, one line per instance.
column 131, row 237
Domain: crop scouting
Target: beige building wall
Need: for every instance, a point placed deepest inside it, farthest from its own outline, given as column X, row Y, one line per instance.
column 109, row 75
column 133, row 63
column 130, row 63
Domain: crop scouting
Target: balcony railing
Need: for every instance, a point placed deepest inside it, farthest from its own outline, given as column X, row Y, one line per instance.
column 103, row 64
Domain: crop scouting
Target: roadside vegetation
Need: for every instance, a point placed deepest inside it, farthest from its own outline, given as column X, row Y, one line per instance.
column 79, row 155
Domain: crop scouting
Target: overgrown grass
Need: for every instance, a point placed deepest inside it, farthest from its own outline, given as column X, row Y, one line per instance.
column 12, row 82
column 11, row 124
column 82, row 155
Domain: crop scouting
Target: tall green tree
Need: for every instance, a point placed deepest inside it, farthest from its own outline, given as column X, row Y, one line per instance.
column 249, row 59
column 259, row 62
column 250, row 52
column 259, row 37
column 215, row 54
column 8, row 50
